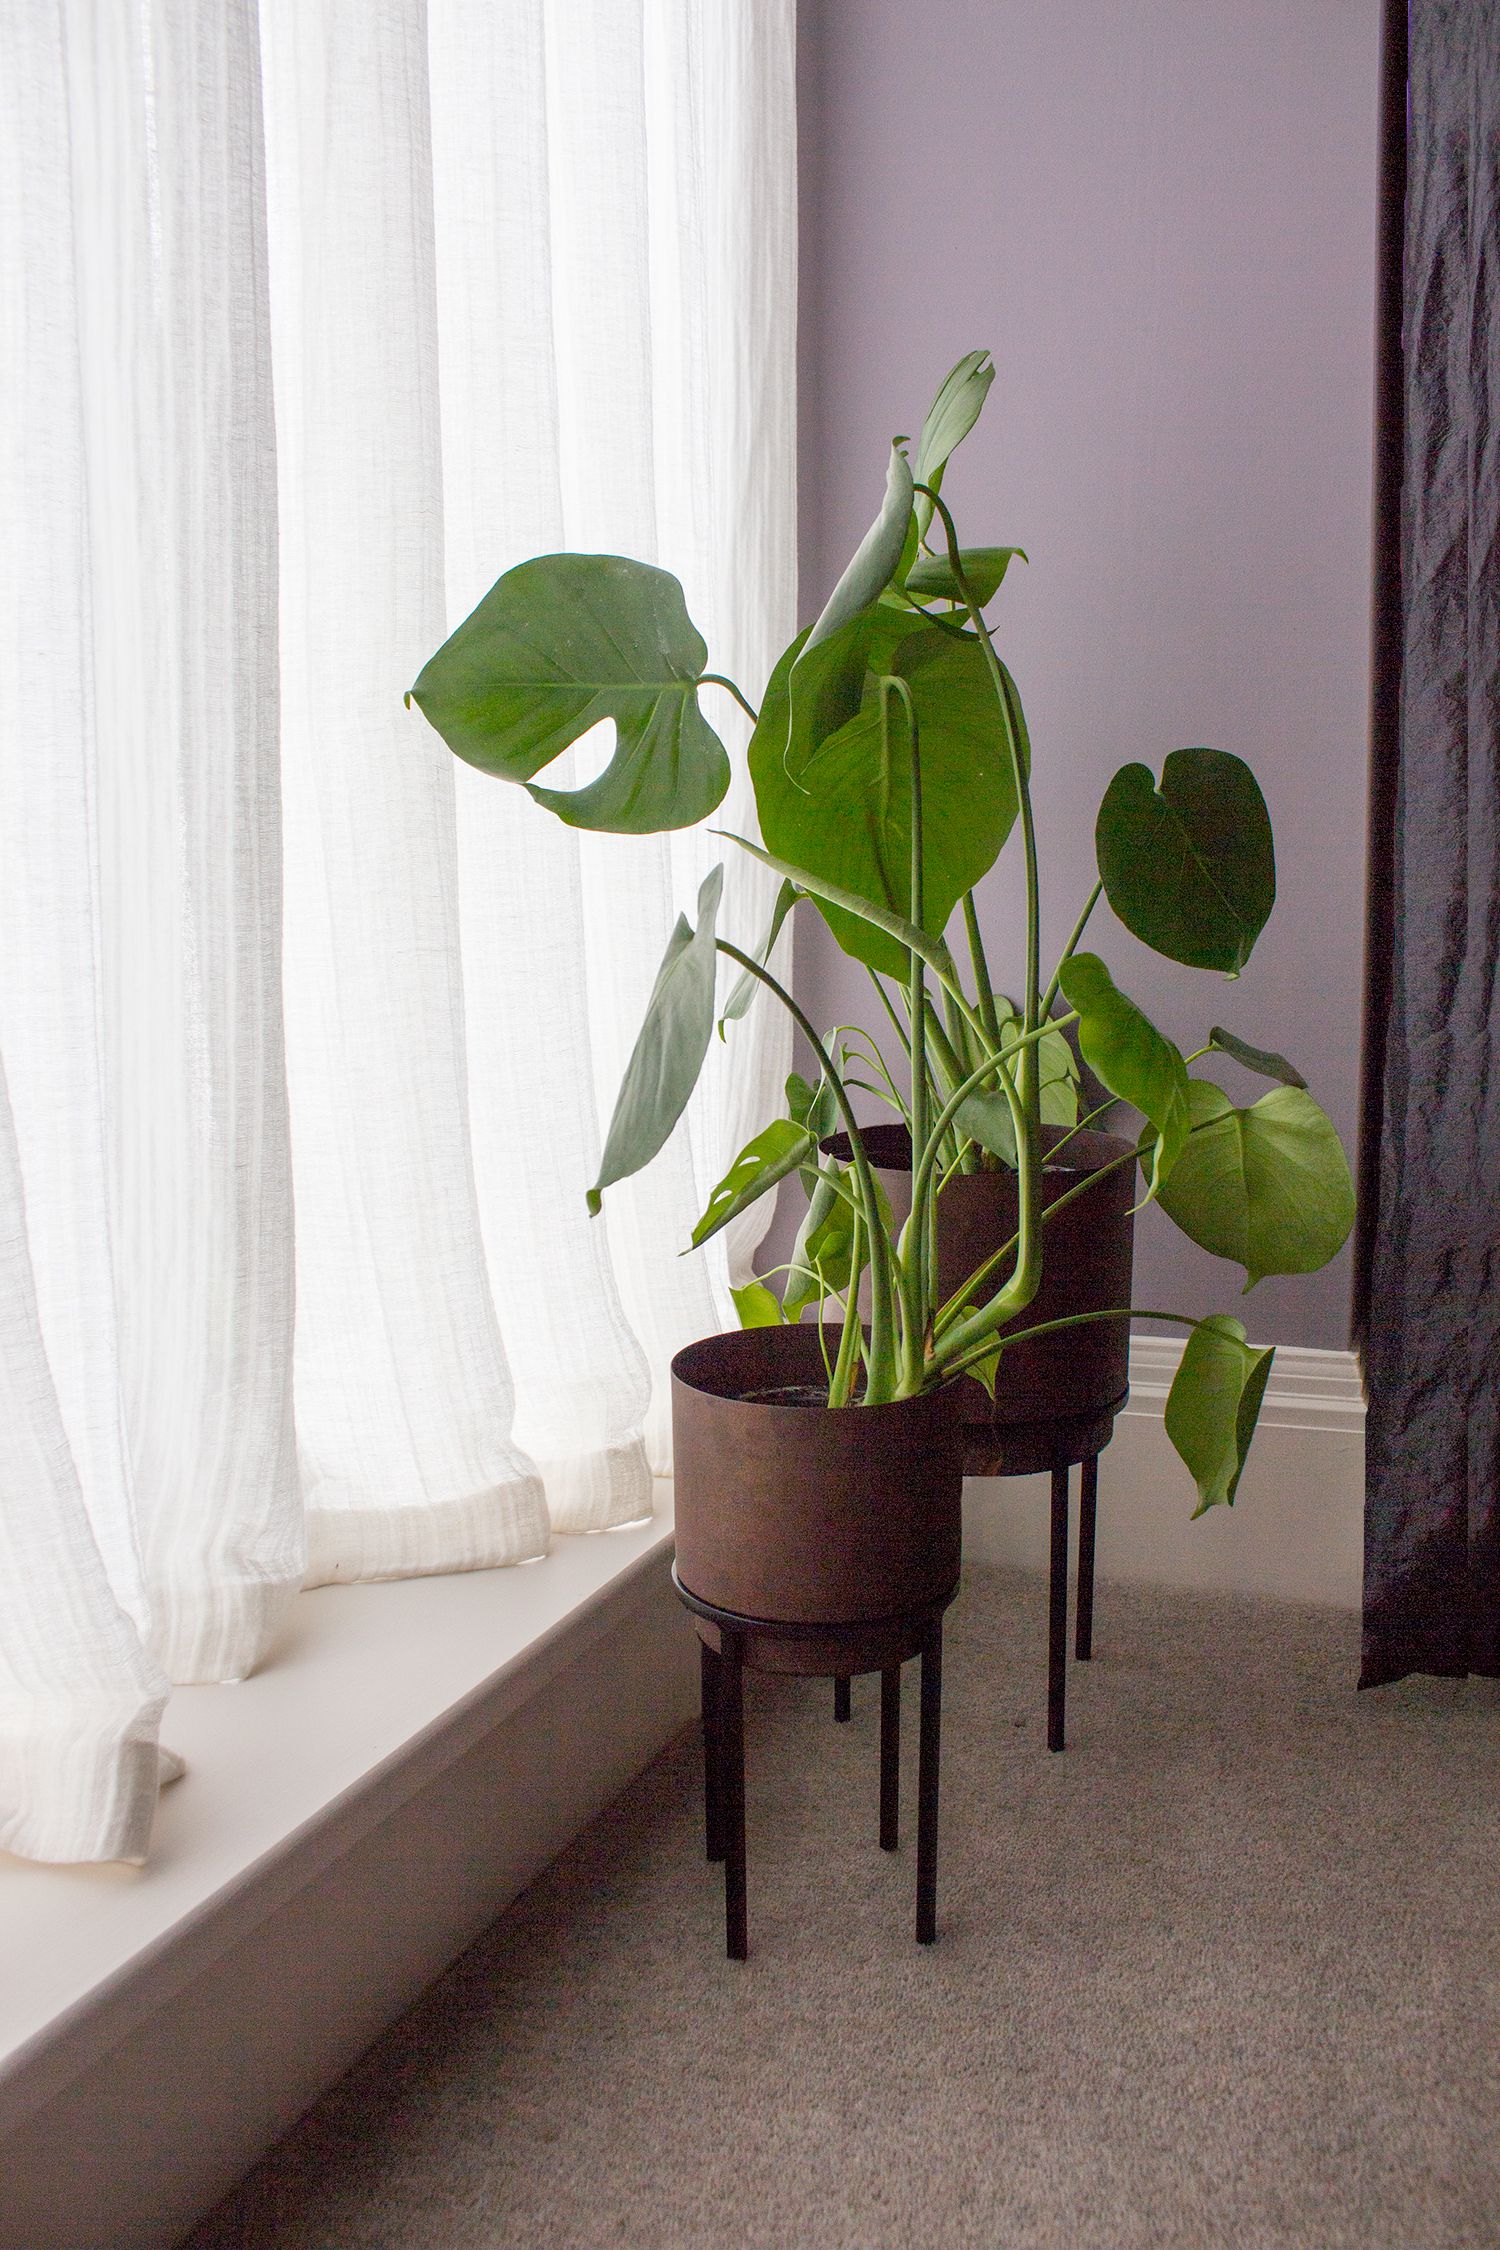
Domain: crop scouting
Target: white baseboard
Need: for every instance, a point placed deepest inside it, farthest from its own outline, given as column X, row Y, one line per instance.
column 1295, row 1532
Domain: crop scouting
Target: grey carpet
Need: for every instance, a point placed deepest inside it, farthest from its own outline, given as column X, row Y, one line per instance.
column 1225, row 1973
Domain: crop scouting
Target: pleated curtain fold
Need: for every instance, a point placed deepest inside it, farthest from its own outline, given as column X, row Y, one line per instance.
column 315, row 317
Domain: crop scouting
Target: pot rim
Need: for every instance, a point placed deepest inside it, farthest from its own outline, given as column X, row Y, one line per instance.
column 689, row 1381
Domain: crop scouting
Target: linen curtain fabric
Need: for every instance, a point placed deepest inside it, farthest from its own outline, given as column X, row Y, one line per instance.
column 317, row 317
column 1432, row 1314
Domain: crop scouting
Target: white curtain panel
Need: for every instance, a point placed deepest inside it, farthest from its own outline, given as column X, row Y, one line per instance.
column 316, row 317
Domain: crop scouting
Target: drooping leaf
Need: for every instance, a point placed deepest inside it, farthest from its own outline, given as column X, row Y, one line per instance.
column 1214, row 1405
column 756, row 1306
column 950, row 418
column 1188, row 864
column 907, row 936
column 746, row 986
column 761, row 1164
column 560, row 643
column 1267, row 1186
column 839, row 806
column 1130, row 1057
column 932, row 578
column 1263, row 1060
column 669, row 1049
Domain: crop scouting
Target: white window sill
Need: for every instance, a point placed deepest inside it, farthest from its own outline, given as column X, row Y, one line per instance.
column 375, row 1690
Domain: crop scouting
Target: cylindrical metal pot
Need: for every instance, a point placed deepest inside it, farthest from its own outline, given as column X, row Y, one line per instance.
column 1077, row 1376
column 793, row 1511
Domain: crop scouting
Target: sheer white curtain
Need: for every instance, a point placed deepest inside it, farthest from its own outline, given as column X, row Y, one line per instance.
column 315, row 318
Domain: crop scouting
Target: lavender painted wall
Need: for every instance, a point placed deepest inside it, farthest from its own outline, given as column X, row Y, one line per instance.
column 1160, row 217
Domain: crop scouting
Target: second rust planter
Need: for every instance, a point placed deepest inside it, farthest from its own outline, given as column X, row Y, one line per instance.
column 790, row 1511
column 1075, row 1380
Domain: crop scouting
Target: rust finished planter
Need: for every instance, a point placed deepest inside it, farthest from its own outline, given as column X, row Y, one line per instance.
column 800, row 1514
column 1076, row 1377
column 816, row 1541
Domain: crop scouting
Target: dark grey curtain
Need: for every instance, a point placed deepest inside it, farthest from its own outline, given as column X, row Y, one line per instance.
column 1430, row 1316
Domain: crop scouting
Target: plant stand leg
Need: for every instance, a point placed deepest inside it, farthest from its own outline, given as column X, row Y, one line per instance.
column 930, row 1744
column 731, row 1709
column 1057, row 1617
column 890, row 1758
column 1088, row 1519
column 710, row 1666
column 841, row 1703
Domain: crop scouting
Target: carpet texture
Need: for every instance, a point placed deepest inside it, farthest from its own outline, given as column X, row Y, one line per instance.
column 1227, row 1972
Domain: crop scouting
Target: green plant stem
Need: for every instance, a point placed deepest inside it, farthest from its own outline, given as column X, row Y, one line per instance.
column 1022, row 1286
column 717, row 679
column 881, row 1365
column 982, row 985
column 912, row 1250
column 949, row 1312
column 1076, row 1320
column 889, row 1006
column 1069, row 949
column 841, row 1382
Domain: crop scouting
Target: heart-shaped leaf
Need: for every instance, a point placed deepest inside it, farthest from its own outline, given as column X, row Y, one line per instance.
column 1264, row 1061
column 760, row 1165
column 839, row 807
column 1188, row 864
column 815, row 1107
column 1267, row 1186
column 1131, row 1057
column 822, row 1256
column 984, row 567
column 669, row 1049
column 950, row 418
column 1214, row 1405
column 560, row 643
column 756, row 1306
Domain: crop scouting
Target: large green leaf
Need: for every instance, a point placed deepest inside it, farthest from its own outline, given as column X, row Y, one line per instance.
column 669, row 1048
column 984, row 568
column 950, row 418
column 1263, row 1060
column 1267, row 1186
column 1188, row 864
column 839, row 808
column 1214, row 1405
column 760, row 1165
column 560, row 643
column 1131, row 1057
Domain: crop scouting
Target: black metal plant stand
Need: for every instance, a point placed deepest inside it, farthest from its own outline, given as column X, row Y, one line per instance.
column 1058, row 1445
column 731, row 1645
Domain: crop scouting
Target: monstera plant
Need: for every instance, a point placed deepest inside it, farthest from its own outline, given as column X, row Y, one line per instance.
column 891, row 769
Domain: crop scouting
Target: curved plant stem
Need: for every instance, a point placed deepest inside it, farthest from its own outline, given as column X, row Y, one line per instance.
column 881, row 1363
column 1069, row 949
column 717, row 679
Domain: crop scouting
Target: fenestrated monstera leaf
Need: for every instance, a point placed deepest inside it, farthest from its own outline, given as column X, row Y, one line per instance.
column 761, row 1164
column 1188, row 863
column 560, row 643
column 1267, row 1186
column 1131, row 1057
column 1214, row 1405
column 669, row 1049
column 840, row 808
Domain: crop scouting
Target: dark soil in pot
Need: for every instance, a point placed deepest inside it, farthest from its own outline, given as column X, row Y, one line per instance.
column 1074, row 1373
column 793, row 1511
